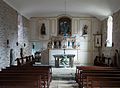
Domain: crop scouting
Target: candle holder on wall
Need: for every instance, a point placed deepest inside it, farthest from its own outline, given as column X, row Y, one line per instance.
column 8, row 43
column 16, row 43
column 24, row 44
column 111, row 46
column 33, row 46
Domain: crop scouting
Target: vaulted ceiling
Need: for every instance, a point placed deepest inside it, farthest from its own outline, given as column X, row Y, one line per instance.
column 36, row 8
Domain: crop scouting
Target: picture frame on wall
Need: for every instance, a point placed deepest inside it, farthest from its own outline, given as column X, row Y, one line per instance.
column 64, row 26
column 97, row 40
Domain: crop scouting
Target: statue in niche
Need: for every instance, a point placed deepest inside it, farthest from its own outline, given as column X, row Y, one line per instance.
column 43, row 29
column 84, row 30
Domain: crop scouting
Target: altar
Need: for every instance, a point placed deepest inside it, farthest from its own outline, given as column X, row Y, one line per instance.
column 64, row 60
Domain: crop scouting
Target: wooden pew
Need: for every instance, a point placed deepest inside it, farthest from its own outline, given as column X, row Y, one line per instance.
column 81, row 72
column 42, row 67
column 18, row 80
column 81, row 68
column 46, row 76
column 96, row 73
column 45, row 73
column 43, row 76
column 25, row 73
column 103, row 81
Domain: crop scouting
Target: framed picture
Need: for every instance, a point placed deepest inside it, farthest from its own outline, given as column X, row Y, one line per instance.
column 64, row 26
column 98, row 40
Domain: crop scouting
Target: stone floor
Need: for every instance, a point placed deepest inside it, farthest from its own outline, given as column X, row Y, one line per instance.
column 63, row 84
column 63, row 78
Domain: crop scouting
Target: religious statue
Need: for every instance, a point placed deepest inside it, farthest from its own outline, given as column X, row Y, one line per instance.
column 43, row 30
column 84, row 30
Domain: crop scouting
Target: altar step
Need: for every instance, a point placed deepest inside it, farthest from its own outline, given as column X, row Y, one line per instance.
column 63, row 77
column 63, row 73
column 63, row 84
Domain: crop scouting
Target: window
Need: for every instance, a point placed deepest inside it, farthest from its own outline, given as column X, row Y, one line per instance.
column 109, row 31
column 20, row 29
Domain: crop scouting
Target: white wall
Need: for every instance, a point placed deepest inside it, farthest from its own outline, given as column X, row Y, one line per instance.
column 87, row 52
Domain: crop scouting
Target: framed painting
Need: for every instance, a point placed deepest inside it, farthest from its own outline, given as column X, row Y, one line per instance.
column 64, row 26
column 97, row 40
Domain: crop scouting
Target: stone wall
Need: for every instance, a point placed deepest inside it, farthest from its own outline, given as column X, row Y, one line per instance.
column 109, row 51
column 27, row 47
column 9, row 35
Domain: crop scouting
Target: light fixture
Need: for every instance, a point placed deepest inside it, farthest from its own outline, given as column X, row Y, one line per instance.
column 65, row 7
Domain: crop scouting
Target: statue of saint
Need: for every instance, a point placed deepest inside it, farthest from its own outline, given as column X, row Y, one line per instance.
column 43, row 30
column 84, row 30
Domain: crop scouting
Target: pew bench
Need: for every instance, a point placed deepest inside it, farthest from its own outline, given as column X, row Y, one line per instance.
column 102, row 81
column 18, row 80
column 26, row 74
column 39, row 69
column 83, row 71
column 44, row 71
column 85, row 74
column 45, row 76
column 81, row 68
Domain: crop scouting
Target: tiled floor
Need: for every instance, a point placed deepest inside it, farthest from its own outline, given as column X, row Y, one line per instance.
column 63, row 78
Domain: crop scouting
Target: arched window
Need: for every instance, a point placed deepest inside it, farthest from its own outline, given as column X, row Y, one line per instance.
column 109, row 31
column 20, row 29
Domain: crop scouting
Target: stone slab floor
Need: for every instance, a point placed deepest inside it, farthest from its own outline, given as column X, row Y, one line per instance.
column 63, row 78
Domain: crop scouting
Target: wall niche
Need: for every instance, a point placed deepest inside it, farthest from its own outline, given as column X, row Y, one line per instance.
column 64, row 26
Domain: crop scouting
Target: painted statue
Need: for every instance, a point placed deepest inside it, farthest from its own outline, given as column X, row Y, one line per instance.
column 43, row 29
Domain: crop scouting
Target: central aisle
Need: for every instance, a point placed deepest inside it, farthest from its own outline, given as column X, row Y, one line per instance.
column 63, row 78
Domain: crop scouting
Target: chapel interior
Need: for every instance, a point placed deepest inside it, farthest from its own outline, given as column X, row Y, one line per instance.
column 59, row 43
